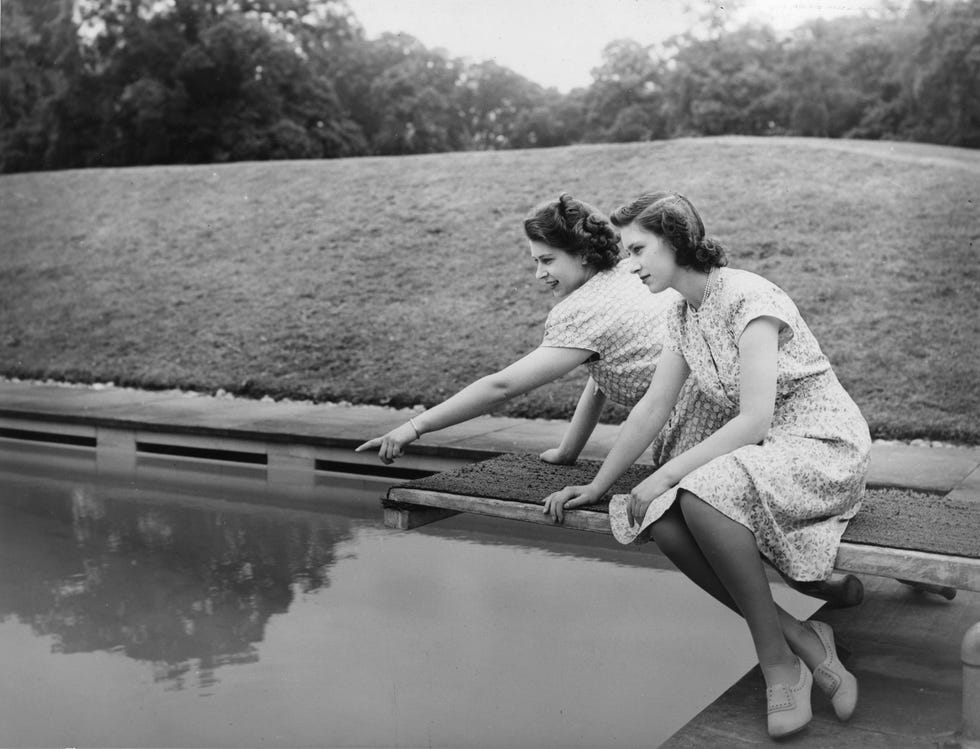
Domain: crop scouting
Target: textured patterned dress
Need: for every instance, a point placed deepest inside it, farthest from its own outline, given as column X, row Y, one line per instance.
column 614, row 315
column 796, row 489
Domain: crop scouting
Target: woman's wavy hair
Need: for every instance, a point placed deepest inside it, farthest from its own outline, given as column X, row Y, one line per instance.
column 577, row 228
column 674, row 218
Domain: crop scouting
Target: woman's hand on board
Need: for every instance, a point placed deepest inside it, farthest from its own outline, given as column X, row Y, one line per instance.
column 557, row 456
column 392, row 444
column 556, row 503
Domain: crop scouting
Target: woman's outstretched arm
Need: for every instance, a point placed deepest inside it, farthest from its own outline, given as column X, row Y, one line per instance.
column 645, row 421
column 580, row 428
column 757, row 351
column 539, row 367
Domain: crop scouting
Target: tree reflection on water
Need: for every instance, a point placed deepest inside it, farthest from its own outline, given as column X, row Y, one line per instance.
column 186, row 586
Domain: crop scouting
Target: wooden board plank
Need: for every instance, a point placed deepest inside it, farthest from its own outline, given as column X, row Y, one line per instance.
column 940, row 569
column 889, row 517
column 407, row 517
column 962, row 573
column 585, row 520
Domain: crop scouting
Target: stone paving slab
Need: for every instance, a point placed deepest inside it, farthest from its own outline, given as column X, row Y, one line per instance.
column 925, row 468
column 183, row 413
column 316, row 423
column 60, row 399
column 971, row 484
column 519, row 436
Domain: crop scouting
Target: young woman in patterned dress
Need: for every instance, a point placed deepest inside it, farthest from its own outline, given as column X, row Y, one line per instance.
column 782, row 475
column 605, row 318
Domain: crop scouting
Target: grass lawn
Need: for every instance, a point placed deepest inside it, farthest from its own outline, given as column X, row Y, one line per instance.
column 399, row 280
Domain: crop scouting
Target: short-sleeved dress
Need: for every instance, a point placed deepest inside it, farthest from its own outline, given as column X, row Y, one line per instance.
column 615, row 315
column 796, row 489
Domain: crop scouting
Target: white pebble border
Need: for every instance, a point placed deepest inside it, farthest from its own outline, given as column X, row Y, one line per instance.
column 219, row 393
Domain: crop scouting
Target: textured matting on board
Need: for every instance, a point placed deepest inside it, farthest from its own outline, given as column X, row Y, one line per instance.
column 893, row 518
column 903, row 519
column 523, row 478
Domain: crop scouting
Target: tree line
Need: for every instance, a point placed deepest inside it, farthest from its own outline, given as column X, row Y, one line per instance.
column 88, row 83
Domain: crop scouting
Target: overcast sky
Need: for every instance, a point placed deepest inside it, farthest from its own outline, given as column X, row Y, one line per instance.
column 558, row 42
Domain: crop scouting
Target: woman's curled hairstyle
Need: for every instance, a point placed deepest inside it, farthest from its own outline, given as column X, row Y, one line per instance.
column 577, row 228
column 674, row 218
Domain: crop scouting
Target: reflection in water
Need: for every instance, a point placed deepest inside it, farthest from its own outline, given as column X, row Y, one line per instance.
column 120, row 603
column 186, row 588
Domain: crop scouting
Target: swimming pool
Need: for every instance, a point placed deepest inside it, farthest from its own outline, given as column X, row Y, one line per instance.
column 180, row 608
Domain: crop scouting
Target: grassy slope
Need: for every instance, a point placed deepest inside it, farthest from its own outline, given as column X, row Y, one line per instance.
column 398, row 280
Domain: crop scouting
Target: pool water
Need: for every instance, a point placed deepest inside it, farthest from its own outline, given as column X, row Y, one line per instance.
column 178, row 607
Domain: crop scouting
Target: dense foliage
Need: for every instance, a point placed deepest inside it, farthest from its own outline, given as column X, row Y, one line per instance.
column 127, row 82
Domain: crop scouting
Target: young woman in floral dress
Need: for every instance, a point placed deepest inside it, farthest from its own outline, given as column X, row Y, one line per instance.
column 604, row 318
column 777, row 481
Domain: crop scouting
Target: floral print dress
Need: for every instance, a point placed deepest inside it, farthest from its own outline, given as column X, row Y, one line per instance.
column 796, row 489
column 614, row 315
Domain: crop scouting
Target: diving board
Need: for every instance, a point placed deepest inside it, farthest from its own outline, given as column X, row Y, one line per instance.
column 911, row 536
